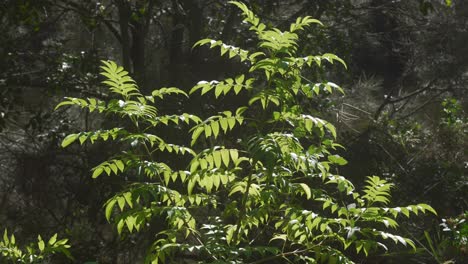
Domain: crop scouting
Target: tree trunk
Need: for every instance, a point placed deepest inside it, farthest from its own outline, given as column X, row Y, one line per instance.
column 124, row 19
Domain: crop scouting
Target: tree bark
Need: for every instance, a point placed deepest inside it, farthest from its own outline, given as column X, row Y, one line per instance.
column 124, row 19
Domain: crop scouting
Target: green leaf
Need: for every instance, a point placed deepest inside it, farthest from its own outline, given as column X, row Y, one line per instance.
column 128, row 199
column 230, row 233
column 240, row 79
column 207, row 131
column 167, row 91
column 5, row 237
column 332, row 57
column 69, row 139
column 130, row 221
column 410, row 242
column 225, row 156
column 201, row 42
column 190, row 186
column 120, row 226
column 97, row 171
column 41, row 244
column 337, row 160
column 84, row 137
column 120, row 165
column 109, row 208
column 232, row 53
column 64, row 103
column 196, row 133
column 219, row 90
column 428, row 207
column 53, row 239
column 208, row 182
column 215, row 128
column 306, row 189
column 237, row 188
column 234, row 155
column 216, row 180
column 279, row 237
column 217, row 158
column 331, row 128
column 231, row 122
column 121, row 203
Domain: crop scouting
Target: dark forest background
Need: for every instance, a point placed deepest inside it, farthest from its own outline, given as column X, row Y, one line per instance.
column 403, row 115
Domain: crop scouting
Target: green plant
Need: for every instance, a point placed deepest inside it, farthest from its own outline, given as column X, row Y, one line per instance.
column 274, row 194
column 446, row 243
column 33, row 253
column 457, row 229
column 453, row 112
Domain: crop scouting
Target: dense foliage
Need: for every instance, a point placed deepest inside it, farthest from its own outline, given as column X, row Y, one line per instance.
column 245, row 200
column 403, row 117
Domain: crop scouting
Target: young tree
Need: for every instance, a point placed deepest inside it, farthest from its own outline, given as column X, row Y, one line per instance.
column 273, row 194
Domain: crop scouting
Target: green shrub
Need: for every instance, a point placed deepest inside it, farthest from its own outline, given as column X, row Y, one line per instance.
column 272, row 194
column 37, row 252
